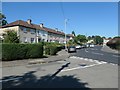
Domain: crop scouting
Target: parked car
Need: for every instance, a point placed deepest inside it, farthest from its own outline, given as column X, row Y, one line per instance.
column 78, row 47
column 87, row 45
column 92, row 45
column 84, row 46
column 71, row 49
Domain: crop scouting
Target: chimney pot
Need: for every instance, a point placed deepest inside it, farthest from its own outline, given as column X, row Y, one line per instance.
column 41, row 25
column 29, row 21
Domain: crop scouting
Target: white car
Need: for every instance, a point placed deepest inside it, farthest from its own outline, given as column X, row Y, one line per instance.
column 78, row 47
column 92, row 45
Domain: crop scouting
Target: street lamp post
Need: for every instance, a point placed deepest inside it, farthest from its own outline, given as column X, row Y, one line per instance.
column 65, row 35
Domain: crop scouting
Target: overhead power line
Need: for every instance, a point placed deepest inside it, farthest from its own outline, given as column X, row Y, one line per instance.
column 62, row 9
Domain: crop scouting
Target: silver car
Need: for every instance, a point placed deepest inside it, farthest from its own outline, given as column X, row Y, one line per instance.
column 71, row 49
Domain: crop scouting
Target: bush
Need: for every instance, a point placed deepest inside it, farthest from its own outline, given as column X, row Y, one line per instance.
column 114, row 43
column 47, row 50
column 21, row 51
column 52, row 48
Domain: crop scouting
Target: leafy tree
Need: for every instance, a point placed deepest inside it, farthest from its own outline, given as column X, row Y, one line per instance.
column 103, row 37
column 98, row 40
column 79, row 39
column 110, row 38
column 73, row 33
column 70, row 42
column 11, row 37
column 3, row 20
column 89, row 37
column 117, row 37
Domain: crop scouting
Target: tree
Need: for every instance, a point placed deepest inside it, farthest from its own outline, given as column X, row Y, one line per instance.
column 73, row 33
column 93, row 37
column 11, row 37
column 89, row 37
column 104, row 37
column 110, row 38
column 79, row 39
column 3, row 20
column 98, row 40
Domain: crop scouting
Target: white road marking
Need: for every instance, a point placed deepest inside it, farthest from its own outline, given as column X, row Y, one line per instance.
column 116, row 56
column 92, row 60
column 10, row 79
column 113, row 64
column 86, row 59
column 97, row 53
column 86, row 50
column 80, row 67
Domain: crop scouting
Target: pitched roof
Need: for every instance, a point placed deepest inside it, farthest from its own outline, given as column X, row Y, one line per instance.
column 33, row 26
column 70, row 35
column 114, row 40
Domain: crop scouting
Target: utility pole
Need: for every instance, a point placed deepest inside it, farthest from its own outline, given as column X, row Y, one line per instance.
column 65, row 34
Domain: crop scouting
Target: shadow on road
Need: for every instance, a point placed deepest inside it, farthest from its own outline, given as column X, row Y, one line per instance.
column 29, row 80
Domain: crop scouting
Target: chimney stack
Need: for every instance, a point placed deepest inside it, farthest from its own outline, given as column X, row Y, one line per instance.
column 41, row 25
column 29, row 21
column 56, row 29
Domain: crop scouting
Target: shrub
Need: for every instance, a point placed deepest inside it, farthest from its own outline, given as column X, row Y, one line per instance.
column 52, row 48
column 114, row 43
column 21, row 51
column 47, row 50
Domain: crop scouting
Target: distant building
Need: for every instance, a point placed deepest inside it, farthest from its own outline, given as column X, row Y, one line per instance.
column 105, row 40
column 32, row 33
column 90, row 41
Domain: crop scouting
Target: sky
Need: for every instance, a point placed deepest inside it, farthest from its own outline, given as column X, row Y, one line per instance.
column 86, row 18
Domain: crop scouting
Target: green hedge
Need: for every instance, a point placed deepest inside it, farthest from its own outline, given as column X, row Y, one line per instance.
column 52, row 48
column 114, row 43
column 21, row 51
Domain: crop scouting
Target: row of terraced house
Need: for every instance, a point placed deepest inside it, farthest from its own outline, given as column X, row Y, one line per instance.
column 32, row 33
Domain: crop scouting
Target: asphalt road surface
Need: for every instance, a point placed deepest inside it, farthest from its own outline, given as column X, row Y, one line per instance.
column 88, row 68
column 96, row 54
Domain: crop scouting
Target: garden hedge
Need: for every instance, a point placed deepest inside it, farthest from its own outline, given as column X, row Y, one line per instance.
column 114, row 43
column 52, row 48
column 21, row 51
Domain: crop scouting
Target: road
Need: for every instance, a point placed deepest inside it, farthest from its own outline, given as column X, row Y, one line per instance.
column 96, row 54
column 83, row 69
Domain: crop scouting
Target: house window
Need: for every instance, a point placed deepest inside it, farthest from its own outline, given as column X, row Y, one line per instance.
column 37, row 32
column 32, row 40
column 24, row 30
column 32, row 31
column 43, row 34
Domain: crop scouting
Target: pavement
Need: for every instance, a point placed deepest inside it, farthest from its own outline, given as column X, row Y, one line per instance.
column 105, row 48
column 61, row 55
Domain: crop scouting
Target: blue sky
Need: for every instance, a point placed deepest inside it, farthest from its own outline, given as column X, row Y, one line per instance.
column 88, row 18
